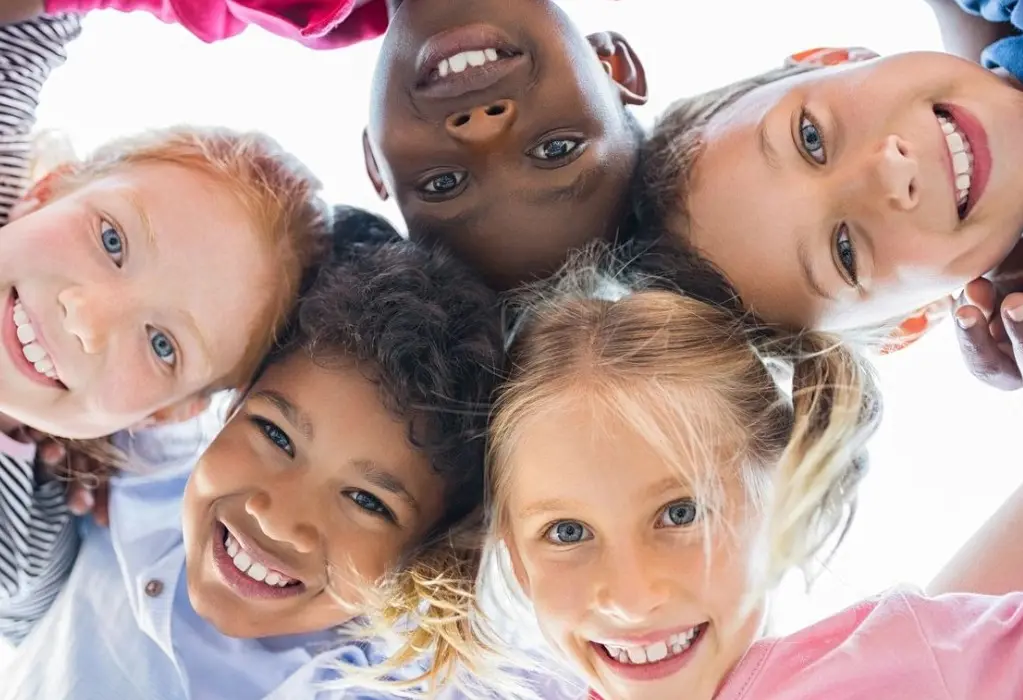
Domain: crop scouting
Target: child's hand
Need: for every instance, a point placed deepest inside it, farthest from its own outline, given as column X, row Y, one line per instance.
column 990, row 331
column 87, row 492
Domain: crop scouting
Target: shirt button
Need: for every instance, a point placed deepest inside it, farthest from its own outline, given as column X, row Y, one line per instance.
column 154, row 588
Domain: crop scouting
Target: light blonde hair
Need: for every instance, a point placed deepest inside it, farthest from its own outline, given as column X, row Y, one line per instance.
column 669, row 366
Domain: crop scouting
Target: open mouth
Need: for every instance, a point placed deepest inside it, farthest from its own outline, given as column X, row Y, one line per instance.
column 969, row 158
column 465, row 60
column 656, row 659
column 26, row 347
column 247, row 571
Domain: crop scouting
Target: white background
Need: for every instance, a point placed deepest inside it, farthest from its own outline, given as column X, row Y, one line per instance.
column 944, row 458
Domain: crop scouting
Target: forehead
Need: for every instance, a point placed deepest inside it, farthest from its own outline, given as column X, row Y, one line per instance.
column 194, row 251
column 349, row 419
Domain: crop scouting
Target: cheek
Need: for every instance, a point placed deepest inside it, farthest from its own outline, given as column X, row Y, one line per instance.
column 359, row 559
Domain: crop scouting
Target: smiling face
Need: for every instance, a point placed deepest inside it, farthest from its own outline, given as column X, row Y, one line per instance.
column 629, row 582
column 865, row 191
column 116, row 301
column 310, row 494
column 500, row 132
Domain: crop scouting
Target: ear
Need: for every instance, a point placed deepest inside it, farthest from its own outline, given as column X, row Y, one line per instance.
column 178, row 413
column 372, row 169
column 622, row 64
column 40, row 193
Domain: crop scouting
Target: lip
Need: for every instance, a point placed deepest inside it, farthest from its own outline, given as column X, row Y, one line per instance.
column 241, row 584
column 9, row 333
column 655, row 671
column 977, row 136
column 473, row 37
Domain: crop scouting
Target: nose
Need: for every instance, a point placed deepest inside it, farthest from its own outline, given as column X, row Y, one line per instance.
column 92, row 314
column 283, row 520
column 896, row 173
column 633, row 584
column 483, row 124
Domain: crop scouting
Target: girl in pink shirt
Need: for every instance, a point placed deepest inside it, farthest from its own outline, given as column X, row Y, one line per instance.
column 657, row 464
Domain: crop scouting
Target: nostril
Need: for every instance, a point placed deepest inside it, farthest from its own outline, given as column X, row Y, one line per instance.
column 495, row 110
column 461, row 120
column 912, row 190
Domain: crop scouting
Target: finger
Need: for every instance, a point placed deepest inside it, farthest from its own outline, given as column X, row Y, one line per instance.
column 1012, row 312
column 80, row 500
column 980, row 351
column 101, row 511
column 51, row 453
column 982, row 294
column 602, row 43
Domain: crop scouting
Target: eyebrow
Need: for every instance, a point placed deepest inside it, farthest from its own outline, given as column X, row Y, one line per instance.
column 808, row 274
column 580, row 188
column 381, row 478
column 294, row 415
column 766, row 146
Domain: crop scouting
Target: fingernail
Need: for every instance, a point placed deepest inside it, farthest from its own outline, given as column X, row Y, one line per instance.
column 1015, row 313
column 965, row 322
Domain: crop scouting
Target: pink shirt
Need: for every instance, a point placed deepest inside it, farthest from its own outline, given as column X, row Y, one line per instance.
column 25, row 451
column 901, row 646
column 318, row 24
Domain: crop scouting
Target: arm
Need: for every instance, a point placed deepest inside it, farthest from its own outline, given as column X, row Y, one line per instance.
column 38, row 546
column 964, row 33
column 992, row 561
column 29, row 52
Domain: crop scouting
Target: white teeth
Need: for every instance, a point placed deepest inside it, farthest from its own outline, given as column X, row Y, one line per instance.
column 253, row 569
column 461, row 61
column 652, row 653
column 32, row 350
column 962, row 158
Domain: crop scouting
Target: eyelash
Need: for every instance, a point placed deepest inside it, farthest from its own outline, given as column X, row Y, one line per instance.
column 587, row 534
column 459, row 176
column 375, row 507
column 807, row 123
column 849, row 266
column 277, row 437
column 557, row 161
column 106, row 227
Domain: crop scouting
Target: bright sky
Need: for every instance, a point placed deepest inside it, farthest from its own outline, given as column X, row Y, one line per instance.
column 940, row 463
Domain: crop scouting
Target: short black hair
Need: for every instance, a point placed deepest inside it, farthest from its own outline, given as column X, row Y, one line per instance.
column 425, row 329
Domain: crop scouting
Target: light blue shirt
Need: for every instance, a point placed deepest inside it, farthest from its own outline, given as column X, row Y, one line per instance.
column 123, row 627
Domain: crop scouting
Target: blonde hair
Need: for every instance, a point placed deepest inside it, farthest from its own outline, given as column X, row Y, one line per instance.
column 651, row 354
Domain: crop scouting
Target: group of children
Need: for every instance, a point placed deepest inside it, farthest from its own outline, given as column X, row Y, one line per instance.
column 616, row 373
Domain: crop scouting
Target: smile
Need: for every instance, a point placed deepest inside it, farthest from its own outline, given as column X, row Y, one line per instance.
column 969, row 158
column 465, row 60
column 248, row 570
column 25, row 345
column 654, row 660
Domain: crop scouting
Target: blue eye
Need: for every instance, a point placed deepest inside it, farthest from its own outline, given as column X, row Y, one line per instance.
column 162, row 347
column 568, row 532
column 680, row 514
column 112, row 242
column 812, row 139
column 275, row 435
column 845, row 254
column 371, row 503
column 444, row 183
column 555, row 149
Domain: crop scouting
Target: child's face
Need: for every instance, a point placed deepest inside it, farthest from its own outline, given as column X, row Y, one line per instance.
column 511, row 163
column 312, row 484
column 612, row 554
column 124, row 297
column 833, row 198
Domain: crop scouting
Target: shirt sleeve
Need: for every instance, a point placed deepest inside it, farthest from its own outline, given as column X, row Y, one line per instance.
column 976, row 641
column 38, row 546
column 29, row 51
column 1005, row 53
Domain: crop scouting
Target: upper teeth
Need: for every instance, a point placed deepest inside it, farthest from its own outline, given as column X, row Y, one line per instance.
column 652, row 653
column 962, row 158
column 459, row 62
column 253, row 569
column 33, row 351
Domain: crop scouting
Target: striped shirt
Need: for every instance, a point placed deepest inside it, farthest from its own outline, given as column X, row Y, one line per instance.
column 38, row 537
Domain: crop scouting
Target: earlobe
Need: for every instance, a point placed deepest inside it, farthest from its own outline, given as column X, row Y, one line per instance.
column 372, row 169
column 622, row 64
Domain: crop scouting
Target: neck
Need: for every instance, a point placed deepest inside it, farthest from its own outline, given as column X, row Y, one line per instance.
column 8, row 425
